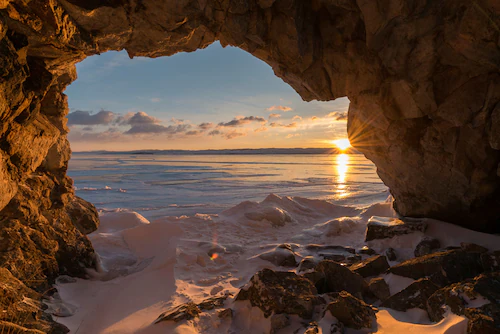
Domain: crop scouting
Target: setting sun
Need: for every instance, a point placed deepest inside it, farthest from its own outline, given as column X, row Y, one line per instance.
column 342, row 144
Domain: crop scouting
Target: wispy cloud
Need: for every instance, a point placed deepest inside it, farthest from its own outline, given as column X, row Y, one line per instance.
column 205, row 126
column 338, row 115
column 281, row 125
column 243, row 120
column 279, row 108
column 274, row 116
column 155, row 100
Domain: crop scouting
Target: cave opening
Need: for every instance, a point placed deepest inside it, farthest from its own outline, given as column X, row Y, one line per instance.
column 200, row 132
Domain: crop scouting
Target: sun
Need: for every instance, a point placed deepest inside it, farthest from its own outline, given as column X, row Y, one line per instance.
column 342, row 144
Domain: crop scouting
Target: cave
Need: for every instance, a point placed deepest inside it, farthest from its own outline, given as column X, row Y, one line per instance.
column 422, row 76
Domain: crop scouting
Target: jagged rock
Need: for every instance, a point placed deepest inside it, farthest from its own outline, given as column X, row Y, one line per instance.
column 379, row 288
column 23, row 308
column 225, row 313
column 470, row 247
column 413, row 296
column 351, row 311
column 311, row 328
column 484, row 319
column 383, row 227
column 491, row 261
column 442, row 268
column 371, row 267
column 367, row 251
column 426, row 246
column 280, row 292
column 341, row 254
column 460, row 296
column 279, row 321
column 391, row 254
column 280, row 256
column 330, row 276
column 191, row 310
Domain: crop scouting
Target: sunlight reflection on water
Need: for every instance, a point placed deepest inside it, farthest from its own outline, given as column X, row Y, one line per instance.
column 342, row 169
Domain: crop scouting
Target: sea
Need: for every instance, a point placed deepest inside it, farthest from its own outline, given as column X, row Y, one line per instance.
column 159, row 184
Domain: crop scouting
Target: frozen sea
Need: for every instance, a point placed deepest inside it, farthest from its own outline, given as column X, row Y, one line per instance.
column 158, row 185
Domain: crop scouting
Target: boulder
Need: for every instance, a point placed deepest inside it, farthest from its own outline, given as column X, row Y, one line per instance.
column 371, row 267
column 484, row 319
column 413, row 296
column 190, row 310
column 491, row 261
column 391, row 254
column 426, row 246
column 307, row 263
column 351, row 311
column 458, row 297
column 379, row 288
column 279, row 321
column 475, row 248
column 280, row 292
column 330, row 276
column 341, row 254
column 365, row 250
column 280, row 256
column 385, row 227
column 442, row 268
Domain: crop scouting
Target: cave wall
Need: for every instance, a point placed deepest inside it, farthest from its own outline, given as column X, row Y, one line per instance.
column 423, row 77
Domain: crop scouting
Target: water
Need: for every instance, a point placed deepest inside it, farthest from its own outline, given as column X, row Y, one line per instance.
column 166, row 185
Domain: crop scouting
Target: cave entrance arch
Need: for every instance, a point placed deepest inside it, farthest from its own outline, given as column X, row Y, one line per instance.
column 423, row 78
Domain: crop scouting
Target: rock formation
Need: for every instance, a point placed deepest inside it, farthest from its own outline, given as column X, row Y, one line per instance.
column 423, row 78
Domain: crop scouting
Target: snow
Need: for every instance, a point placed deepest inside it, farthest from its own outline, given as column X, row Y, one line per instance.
column 147, row 267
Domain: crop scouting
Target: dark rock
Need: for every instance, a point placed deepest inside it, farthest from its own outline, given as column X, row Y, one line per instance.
column 311, row 328
column 379, row 288
column 371, row 266
column 413, row 296
column 351, row 311
column 426, row 246
column 182, row 312
column 191, row 310
column 280, row 256
column 484, row 319
column 473, row 248
column 457, row 297
column 280, row 292
column 367, row 251
column 337, row 328
column 330, row 276
column 391, row 254
column 307, row 263
column 344, row 258
column 382, row 227
column 279, row 321
column 442, row 268
column 491, row 261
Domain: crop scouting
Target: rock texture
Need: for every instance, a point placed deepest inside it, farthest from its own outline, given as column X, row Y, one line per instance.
column 423, row 78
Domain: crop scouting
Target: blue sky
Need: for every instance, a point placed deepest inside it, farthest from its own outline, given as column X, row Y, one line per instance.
column 210, row 99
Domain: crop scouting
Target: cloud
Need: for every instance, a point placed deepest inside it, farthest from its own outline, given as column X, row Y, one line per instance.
column 147, row 128
column 314, row 118
column 243, row 120
column 176, row 120
column 194, row 133
column 214, row 133
column 292, row 135
column 274, row 116
column 281, row 125
column 234, row 134
column 280, row 108
column 261, row 129
column 155, row 100
column 205, row 126
column 136, row 119
column 87, row 128
column 338, row 115
column 297, row 117
column 80, row 117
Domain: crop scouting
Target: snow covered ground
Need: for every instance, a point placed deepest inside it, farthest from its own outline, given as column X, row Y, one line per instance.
column 147, row 267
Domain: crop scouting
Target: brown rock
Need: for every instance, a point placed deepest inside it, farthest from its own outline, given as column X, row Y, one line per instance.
column 371, row 267
column 413, row 296
column 379, row 287
column 426, row 246
column 350, row 311
column 383, row 228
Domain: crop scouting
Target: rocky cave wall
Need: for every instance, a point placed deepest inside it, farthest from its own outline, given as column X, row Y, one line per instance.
column 423, row 77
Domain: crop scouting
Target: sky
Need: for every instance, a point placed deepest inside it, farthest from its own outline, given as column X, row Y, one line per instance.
column 216, row 98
